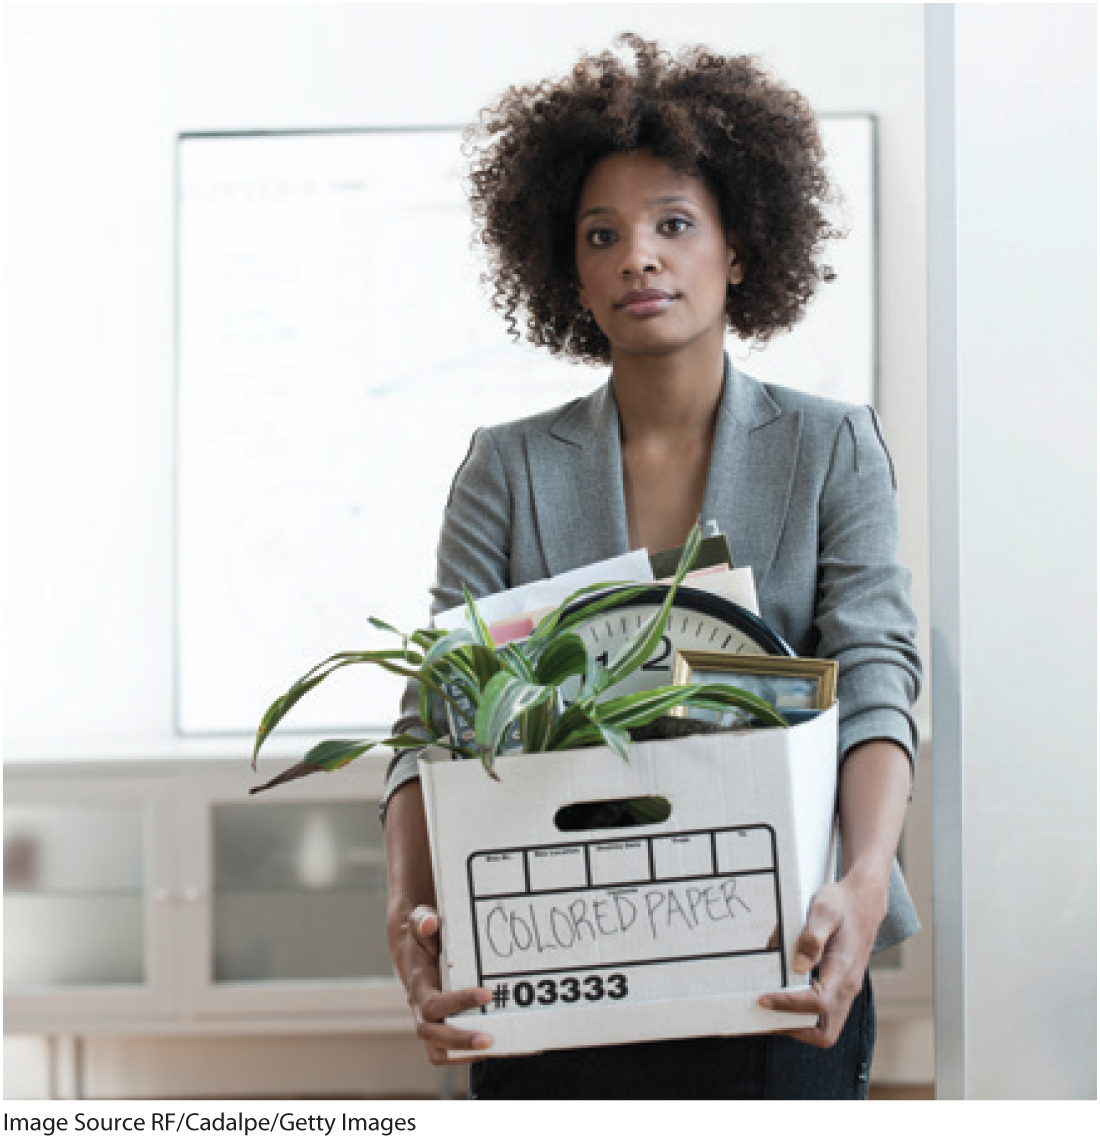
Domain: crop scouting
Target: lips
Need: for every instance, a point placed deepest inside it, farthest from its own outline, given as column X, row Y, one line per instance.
column 643, row 302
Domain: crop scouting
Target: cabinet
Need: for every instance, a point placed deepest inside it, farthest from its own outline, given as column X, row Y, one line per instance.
column 163, row 898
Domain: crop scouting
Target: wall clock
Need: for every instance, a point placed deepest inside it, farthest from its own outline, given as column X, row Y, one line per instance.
column 699, row 621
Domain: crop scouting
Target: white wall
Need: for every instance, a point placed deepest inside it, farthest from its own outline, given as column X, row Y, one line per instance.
column 1013, row 463
column 93, row 98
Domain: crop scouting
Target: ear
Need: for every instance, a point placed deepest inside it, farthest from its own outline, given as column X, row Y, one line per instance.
column 736, row 274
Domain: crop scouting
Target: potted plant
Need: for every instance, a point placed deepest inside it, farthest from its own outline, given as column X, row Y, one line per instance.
column 490, row 688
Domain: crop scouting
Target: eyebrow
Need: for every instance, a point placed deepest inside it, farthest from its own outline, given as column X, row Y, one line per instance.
column 664, row 200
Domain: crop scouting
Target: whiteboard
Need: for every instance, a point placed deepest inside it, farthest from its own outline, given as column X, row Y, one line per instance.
column 334, row 353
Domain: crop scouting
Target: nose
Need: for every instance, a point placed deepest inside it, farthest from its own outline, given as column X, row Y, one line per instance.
column 638, row 256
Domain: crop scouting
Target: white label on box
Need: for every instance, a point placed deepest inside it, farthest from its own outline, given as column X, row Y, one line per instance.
column 631, row 920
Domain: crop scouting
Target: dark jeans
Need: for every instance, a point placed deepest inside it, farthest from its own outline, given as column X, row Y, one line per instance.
column 719, row 1067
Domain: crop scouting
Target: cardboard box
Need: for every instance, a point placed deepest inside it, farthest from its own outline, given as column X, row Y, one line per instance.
column 634, row 933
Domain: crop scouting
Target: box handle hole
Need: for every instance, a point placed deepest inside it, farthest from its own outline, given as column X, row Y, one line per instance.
column 603, row 813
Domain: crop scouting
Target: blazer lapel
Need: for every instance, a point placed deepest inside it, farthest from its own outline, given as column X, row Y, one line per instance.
column 576, row 477
column 577, row 483
column 752, row 471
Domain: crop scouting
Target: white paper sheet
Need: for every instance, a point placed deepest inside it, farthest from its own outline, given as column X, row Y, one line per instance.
column 734, row 585
column 551, row 591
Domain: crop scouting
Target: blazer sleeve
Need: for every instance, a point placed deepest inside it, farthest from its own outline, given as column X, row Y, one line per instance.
column 863, row 613
column 473, row 551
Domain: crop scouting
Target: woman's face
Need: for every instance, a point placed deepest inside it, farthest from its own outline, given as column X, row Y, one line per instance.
column 653, row 260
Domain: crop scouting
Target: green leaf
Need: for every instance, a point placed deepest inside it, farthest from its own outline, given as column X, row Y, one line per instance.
column 446, row 644
column 595, row 679
column 494, row 713
column 640, row 647
column 502, row 701
column 615, row 596
column 517, row 664
column 535, row 724
column 332, row 754
column 434, row 684
column 724, row 697
column 575, row 718
column 486, row 664
column 279, row 708
column 386, row 627
column 640, row 708
column 648, row 809
column 424, row 697
column 565, row 656
column 454, row 668
column 637, row 709
column 277, row 711
column 459, row 680
column 295, row 772
column 477, row 622
column 441, row 681
column 691, row 552
column 615, row 738
column 550, row 621
column 425, row 638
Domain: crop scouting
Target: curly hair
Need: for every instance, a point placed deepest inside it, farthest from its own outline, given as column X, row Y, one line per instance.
column 751, row 139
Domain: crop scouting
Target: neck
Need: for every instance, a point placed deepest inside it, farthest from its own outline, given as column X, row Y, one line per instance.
column 668, row 397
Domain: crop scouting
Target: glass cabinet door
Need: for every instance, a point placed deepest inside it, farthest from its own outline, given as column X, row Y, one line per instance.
column 85, row 863
column 293, row 925
column 73, row 896
column 299, row 892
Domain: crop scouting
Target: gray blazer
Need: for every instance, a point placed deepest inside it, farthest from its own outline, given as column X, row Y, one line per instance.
column 804, row 490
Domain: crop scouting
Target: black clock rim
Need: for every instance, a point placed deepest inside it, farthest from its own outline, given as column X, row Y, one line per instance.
column 702, row 602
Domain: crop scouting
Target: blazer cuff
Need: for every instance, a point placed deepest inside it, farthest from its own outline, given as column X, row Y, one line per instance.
column 402, row 770
column 880, row 724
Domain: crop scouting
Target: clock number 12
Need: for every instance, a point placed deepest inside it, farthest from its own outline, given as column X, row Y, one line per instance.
column 659, row 663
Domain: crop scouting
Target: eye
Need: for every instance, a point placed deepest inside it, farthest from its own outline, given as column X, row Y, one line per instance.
column 674, row 225
column 600, row 236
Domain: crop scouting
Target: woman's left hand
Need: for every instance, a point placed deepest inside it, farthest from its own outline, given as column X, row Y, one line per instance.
column 844, row 916
column 836, row 945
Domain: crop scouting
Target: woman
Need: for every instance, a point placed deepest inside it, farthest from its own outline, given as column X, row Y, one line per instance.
column 631, row 215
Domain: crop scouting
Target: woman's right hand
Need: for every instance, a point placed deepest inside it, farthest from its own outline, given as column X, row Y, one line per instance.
column 414, row 947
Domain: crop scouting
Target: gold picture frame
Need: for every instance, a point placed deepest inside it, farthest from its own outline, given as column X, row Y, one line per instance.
column 790, row 684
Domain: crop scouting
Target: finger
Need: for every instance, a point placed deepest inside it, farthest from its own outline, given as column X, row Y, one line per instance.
column 423, row 924
column 810, row 945
column 424, row 919
column 441, row 1038
column 821, row 923
column 810, row 1002
column 806, row 1002
column 452, row 1038
column 826, row 1032
column 840, row 984
column 835, row 978
column 440, row 1057
column 435, row 1005
column 829, row 999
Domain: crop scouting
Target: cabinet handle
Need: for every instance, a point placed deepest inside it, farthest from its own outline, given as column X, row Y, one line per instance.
column 162, row 894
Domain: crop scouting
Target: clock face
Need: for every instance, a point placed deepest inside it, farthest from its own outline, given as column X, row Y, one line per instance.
column 698, row 621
